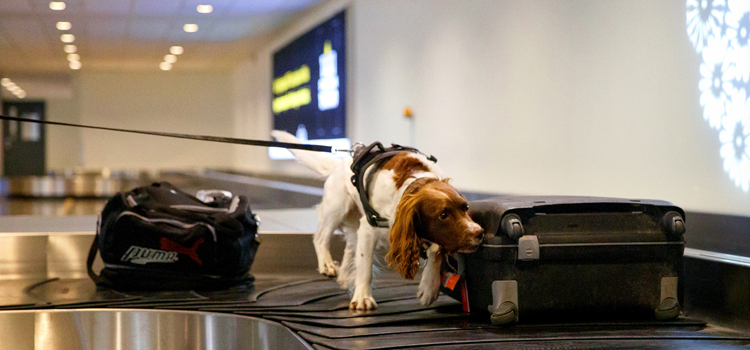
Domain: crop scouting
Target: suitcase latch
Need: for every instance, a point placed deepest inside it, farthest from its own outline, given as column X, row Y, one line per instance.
column 528, row 248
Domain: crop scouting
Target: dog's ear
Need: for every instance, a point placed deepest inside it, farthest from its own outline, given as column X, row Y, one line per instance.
column 403, row 255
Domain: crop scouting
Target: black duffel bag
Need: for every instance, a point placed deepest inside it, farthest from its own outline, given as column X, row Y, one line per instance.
column 160, row 238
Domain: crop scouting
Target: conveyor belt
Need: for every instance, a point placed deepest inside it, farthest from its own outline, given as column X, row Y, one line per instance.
column 317, row 309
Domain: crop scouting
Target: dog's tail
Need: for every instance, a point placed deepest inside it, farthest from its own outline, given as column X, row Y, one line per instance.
column 323, row 163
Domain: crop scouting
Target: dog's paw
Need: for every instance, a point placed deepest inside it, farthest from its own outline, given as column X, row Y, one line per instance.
column 428, row 291
column 363, row 303
column 329, row 268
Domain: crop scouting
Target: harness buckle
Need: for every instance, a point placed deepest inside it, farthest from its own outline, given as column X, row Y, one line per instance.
column 377, row 221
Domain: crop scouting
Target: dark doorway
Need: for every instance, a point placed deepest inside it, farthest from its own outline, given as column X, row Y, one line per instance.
column 23, row 143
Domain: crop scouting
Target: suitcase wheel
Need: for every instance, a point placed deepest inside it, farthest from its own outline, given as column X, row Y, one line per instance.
column 506, row 313
column 667, row 310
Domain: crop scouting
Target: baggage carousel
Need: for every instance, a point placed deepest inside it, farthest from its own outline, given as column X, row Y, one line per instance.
column 47, row 300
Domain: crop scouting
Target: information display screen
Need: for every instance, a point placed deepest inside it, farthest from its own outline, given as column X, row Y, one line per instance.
column 309, row 87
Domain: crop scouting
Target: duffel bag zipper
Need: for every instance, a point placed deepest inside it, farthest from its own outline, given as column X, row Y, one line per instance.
column 175, row 223
column 140, row 269
column 232, row 207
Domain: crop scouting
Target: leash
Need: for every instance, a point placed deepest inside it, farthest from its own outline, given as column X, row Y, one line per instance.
column 364, row 157
column 238, row 141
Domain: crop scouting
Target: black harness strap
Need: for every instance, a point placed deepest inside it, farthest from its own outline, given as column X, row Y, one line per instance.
column 366, row 157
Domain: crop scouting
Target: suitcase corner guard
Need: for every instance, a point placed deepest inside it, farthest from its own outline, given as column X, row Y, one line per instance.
column 504, row 308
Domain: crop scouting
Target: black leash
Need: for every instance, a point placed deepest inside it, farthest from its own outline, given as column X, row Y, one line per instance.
column 364, row 156
column 306, row 147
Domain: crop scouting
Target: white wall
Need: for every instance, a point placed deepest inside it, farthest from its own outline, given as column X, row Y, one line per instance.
column 249, row 109
column 189, row 103
column 63, row 143
column 530, row 97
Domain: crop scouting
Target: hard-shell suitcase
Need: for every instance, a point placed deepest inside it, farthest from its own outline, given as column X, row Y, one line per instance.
column 567, row 258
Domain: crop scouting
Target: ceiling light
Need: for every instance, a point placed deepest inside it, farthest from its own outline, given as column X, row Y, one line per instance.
column 170, row 58
column 190, row 28
column 165, row 66
column 68, row 38
column 205, row 8
column 57, row 5
column 14, row 88
column 70, row 48
column 20, row 94
column 63, row 25
column 73, row 57
column 75, row 65
column 5, row 82
column 10, row 85
column 176, row 50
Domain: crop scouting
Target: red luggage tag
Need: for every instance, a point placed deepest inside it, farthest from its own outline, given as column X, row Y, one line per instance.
column 465, row 296
column 449, row 280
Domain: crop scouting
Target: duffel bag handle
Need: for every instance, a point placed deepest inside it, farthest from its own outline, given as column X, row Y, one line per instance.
column 92, row 256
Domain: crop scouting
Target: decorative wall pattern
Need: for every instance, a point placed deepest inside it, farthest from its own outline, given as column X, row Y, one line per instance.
column 720, row 32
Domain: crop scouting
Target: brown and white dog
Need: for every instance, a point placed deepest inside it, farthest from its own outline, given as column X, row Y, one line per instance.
column 420, row 205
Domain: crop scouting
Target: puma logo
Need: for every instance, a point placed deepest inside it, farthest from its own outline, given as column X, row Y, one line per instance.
column 167, row 244
column 142, row 256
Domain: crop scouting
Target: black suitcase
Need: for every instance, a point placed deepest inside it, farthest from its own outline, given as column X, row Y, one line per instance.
column 570, row 258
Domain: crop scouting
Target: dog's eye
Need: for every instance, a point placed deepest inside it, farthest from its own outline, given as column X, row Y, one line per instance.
column 465, row 207
column 443, row 215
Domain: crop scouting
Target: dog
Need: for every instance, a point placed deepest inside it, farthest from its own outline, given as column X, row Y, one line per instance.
column 421, row 207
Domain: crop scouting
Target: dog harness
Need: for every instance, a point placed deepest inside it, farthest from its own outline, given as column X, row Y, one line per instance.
column 365, row 157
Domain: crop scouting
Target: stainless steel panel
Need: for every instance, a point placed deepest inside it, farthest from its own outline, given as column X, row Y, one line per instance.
column 23, row 256
column 137, row 329
column 13, row 292
column 102, row 183
column 27, row 224
column 62, row 186
column 67, row 254
column 718, row 257
column 63, row 254
column 43, row 256
column 47, row 254
column 14, row 330
column 46, row 207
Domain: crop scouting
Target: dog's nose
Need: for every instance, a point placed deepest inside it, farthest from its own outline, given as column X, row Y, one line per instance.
column 478, row 232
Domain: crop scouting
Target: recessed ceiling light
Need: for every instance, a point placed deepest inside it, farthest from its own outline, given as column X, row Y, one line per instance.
column 165, row 66
column 205, row 8
column 190, row 28
column 5, row 82
column 57, row 5
column 63, row 25
column 75, row 65
column 68, row 38
column 13, row 88
column 170, row 58
column 21, row 94
column 70, row 48
column 73, row 57
column 176, row 50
